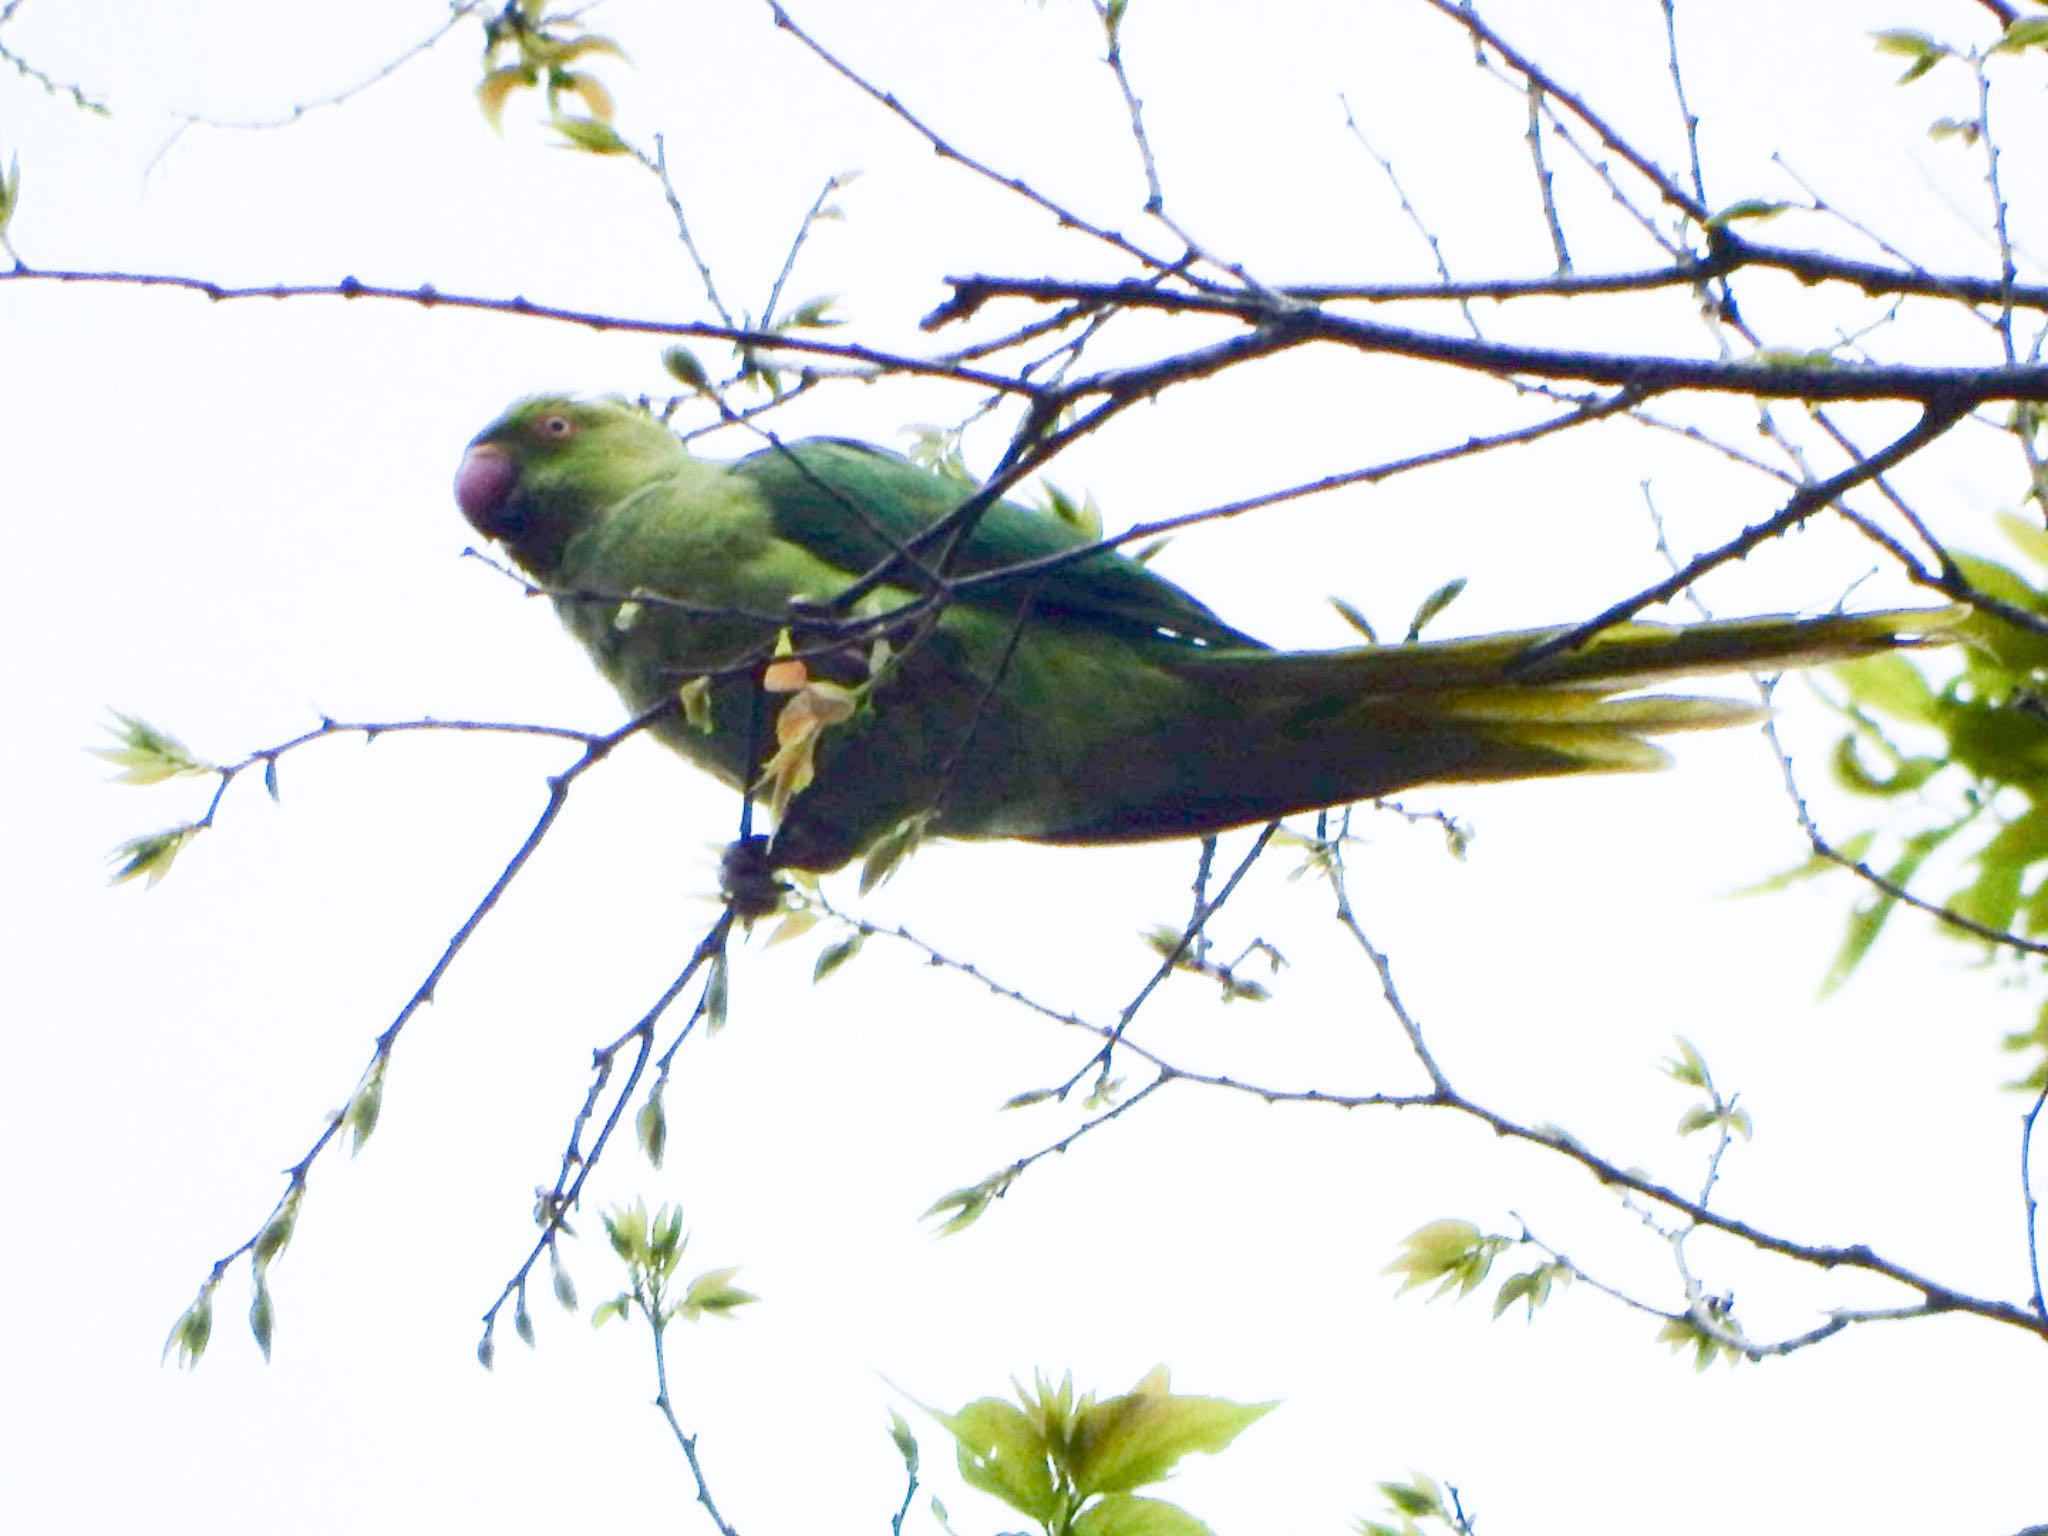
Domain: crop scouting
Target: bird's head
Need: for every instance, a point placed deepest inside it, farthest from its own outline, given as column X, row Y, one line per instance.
column 542, row 472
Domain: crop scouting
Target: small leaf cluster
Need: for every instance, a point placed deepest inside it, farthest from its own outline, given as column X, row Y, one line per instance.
column 146, row 755
column 1168, row 942
column 10, row 194
column 1071, row 1463
column 525, row 47
column 1685, row 1333
column 652, row 1249
column 1924, row 53
column 1965, row 762
column 1456, row 1257
column 1410, row 1504
column 1716, row 1114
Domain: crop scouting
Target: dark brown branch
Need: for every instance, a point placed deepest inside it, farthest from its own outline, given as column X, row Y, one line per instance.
column 1804, row 502
column 1461, row 12
column 429, row 297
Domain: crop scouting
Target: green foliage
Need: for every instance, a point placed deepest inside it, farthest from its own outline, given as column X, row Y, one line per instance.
column 967, row 1206
column 1070, row 1464
column 939, row 450
column 1410, row 1504
column 1433, row 605
column 837, row 953
column 1753, row 210
column 1920, row 51
column 650, row 1127
column 10, row 193
column 1171, row 942
column 194, row 1328
column 1962, row 763
column 1453, row 1255
column 683, row 366
column 526, row 48
column 652, row 1249
column 360, row 1118
column 1685, row 1333
column 146, row 755
column 886, row 855
column 149, row 857
column 1356, row 618
column 1690, row 1069
column 1083, row 516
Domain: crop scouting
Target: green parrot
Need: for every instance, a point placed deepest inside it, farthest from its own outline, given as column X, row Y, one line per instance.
column 983, row 687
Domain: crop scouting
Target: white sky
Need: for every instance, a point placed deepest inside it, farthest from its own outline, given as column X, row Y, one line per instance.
column 230, row 519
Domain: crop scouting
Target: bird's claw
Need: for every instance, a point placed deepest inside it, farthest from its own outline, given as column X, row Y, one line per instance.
column 747, row 878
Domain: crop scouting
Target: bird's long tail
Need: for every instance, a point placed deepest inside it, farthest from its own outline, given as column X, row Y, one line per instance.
column 1352, row 724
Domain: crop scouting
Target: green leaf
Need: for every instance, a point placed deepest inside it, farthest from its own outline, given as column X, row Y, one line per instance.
column 888, row 851
column 1853, row 849
column 1433, row 605
column 1532, row 1287
column 565, row 1288
column 1355, row 619
column 262, row 1314
column 967, row 1205
column 1868, row 920
column 1753, row 209
column 906, row 1443
column 360, row 1118
column 189, row 1335
column 1129, row 1441
column 1454, row 1254
column 1002, row 1451
column 1853, row 774
column 277, row 1232
column 1084, row 517
column 2026, row 32
column 589, row 135
column 149, row 858
column 1125, row 1514
column 1418, row 1499
column 1962, row 128
column 665, row 1241
column 1890, row 685
column 595, row 96
column 686, row 370
column 1993, row 897
column 1923, row 50
column 794, row 924
column 605, row 1311
column 714, row 1292
column 651, row 1127
column 812, row 315
column 497, row 88
column 10, row 192
column 1689, row 1068
column 717, row 993
column 146, row 755
column 835, row 955
column 626, row 1226
column 1682, row 1333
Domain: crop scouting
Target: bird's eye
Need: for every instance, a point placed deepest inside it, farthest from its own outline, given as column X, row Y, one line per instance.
column 560, row 428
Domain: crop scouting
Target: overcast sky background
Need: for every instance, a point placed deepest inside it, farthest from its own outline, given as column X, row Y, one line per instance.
column 230, row 519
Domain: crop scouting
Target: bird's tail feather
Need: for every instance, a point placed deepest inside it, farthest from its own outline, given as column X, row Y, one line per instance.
column 1375, row 719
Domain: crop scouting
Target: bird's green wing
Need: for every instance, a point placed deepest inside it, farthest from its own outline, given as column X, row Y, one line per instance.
column 854, row 507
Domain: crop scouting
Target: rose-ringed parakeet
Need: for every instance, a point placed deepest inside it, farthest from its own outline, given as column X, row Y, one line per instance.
column 1084, row 701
